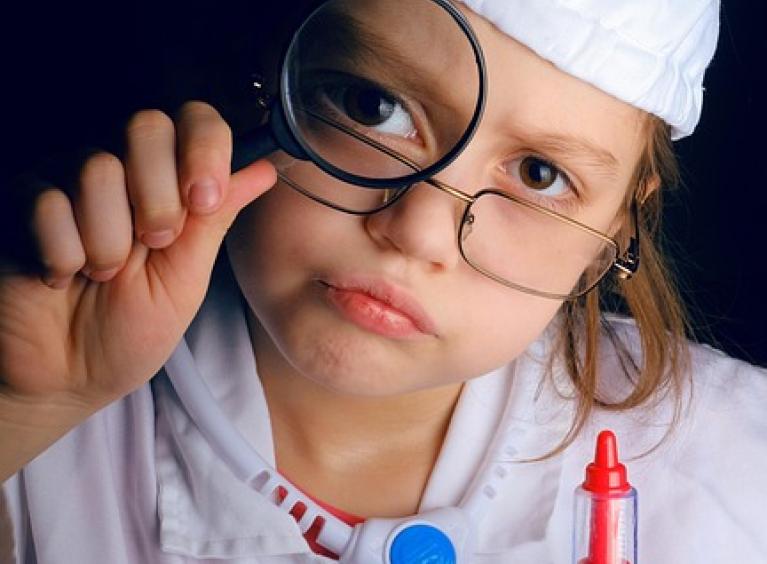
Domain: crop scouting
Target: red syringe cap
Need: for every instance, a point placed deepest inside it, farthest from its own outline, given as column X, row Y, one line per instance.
column 606, row 475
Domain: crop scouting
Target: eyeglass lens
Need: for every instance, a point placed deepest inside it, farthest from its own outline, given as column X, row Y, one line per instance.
column 528, row 248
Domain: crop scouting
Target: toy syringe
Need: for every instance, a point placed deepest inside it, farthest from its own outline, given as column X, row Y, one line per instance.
column 605, row 527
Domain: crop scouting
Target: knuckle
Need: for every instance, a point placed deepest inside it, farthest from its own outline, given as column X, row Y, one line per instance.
column 101, row 166
column 205, row 153
column 147, row 124
column 202, row 123
column 59, row 244
column 107, row 250
column 50, row 202
column 106, row 255
column 62, row 264
column 195, row 109
column 159, row 214
column 106, row 261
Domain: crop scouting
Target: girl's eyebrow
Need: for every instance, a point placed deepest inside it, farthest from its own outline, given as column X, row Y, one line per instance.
column 575, row 147
column 360, row 48
column 360, row 42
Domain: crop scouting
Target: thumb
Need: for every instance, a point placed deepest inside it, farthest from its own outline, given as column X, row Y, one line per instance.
column 196, row 248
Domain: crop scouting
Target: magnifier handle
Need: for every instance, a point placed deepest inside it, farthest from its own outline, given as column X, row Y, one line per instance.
column 265, row 140
column 253, row 146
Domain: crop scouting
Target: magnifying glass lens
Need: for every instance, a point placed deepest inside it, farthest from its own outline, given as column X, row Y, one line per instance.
column 379, row 90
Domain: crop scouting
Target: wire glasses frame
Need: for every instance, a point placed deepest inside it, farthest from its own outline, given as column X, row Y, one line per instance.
column 624, row 265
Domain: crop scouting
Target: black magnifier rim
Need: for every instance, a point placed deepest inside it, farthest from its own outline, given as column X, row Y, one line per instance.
column 400, row 181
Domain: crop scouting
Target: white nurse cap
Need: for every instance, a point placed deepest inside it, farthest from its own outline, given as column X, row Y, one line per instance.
column 649, row 53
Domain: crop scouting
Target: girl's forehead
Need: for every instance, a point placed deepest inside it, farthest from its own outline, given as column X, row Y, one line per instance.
column 529, row 100
column 533, row 103
column 650, row 54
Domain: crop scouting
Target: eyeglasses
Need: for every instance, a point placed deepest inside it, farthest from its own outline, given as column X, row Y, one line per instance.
column 366, row 98
column 518, row 243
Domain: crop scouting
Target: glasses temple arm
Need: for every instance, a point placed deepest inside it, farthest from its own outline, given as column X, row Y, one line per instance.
column 627, row 265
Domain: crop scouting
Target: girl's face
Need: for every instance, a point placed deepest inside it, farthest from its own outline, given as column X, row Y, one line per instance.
column 384, row 304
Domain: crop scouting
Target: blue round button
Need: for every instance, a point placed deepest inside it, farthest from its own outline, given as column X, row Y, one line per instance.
column 421, row 544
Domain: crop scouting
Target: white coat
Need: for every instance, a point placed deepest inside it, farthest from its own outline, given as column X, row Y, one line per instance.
column 137, row 484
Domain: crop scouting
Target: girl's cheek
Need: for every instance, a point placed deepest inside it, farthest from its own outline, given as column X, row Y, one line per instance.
column 500, row 321
column 283, row 236
column 272, row 220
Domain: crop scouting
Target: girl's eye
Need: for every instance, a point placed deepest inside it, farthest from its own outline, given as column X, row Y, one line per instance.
column 366, row 105
column 540, row 176
column 373, row 107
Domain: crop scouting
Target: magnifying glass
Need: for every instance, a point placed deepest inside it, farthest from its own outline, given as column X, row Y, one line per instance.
column 376, row 93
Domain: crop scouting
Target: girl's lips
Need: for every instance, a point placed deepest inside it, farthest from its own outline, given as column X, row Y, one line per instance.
column 378, row 306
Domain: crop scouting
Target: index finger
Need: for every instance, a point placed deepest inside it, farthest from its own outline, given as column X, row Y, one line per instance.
column 204, row 156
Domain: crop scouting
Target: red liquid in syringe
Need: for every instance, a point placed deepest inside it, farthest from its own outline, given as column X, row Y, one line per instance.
column 605, row 510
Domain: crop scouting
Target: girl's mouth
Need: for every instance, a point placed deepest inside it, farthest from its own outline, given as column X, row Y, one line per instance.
column 379, row 307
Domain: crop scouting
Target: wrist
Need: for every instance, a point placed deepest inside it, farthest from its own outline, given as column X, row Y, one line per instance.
column 28, row 426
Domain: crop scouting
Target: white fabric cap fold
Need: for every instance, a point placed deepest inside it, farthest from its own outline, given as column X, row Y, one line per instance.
column 651, row 54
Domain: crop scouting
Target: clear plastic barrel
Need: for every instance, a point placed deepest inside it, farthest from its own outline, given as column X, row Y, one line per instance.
column 605, row 527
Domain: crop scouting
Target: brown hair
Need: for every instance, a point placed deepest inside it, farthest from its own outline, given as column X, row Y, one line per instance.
column 650, row 297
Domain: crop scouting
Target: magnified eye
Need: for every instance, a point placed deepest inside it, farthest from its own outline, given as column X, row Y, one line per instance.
column 539, row 175
column 365, row 104
column 373, row 107
column 368, row 105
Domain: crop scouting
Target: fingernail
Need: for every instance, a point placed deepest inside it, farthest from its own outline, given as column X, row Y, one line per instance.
column 102, row 275
column 204, row 195
column 158, row 239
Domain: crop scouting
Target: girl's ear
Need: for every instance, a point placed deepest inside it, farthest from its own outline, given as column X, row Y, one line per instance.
column 622, row 226
column 650, row 187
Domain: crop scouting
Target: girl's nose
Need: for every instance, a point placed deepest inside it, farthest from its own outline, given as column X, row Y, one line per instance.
column 422, row 224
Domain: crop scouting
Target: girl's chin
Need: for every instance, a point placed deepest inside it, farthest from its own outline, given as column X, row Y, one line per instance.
column 356, row 369
column 348, row 361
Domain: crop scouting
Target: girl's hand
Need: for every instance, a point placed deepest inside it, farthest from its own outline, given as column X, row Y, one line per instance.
column 128, row 257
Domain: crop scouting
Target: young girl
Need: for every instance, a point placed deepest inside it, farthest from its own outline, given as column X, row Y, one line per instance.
column 372, row 358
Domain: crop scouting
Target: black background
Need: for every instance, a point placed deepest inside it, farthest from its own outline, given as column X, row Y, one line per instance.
column 72, row 74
